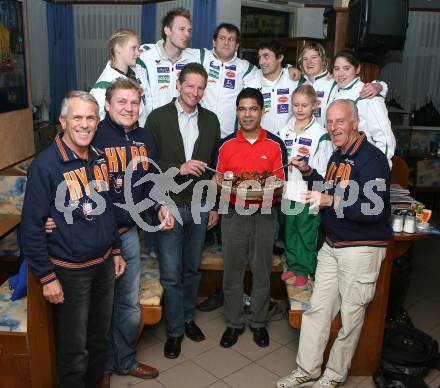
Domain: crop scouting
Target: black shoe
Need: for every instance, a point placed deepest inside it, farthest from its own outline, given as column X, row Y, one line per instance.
column 261, row 337
column 193, row 332
column 213, row 302
column 230, row 336
column 172, row 347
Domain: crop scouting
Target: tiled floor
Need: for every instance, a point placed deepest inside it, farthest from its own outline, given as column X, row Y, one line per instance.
column 206, row 364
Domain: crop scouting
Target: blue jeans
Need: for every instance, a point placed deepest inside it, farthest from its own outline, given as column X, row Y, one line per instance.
column 126, row 311
column 180, row 253
column 84, row 324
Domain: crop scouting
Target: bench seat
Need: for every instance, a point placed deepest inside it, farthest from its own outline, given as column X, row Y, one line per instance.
column 150, row 294
column 212, row 259
column 13, row 314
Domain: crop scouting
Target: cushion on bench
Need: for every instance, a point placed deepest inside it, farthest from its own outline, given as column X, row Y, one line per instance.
column 150, row 288
column 12, row 194
column 212, row 255
column 13, row 314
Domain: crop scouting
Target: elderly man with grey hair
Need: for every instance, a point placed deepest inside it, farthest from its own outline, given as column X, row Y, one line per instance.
column 354, row 197
column 74, row 263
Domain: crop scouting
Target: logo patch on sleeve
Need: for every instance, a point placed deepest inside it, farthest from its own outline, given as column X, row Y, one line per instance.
column 229, row 83
column 283, row 108
column 211, row 64
column 213, row 74
column 305, row 141
column 164, row 79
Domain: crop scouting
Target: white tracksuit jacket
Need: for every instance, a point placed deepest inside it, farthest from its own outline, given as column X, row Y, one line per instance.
column 373, row 116
column 225, row 81
column 314, row 144
column 161, row 73
column 276, row 94
column 107, row 76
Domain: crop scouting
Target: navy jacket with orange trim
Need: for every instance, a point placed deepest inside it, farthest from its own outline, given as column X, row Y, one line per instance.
column 361, row 219
column 120, row 149
column 59, row 186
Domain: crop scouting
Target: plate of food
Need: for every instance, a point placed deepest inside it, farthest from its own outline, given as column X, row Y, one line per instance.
column 251, row 185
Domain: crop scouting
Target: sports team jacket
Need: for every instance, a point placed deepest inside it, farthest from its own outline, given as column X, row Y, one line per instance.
column 84, row 240
column 161, row 74
column 373, row 116
column 314, row 145
column 225, row 81
column 322, row 87
column 365, row 164
column 120, row 149
column 107, row 76
column 237, row 154
column 276, row 94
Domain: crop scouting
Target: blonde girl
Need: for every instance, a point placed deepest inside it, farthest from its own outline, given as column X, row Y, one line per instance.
column 304, row 138
column 123, row 53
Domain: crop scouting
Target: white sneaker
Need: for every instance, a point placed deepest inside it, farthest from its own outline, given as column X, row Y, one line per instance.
column 297, row 378
column 325, row 382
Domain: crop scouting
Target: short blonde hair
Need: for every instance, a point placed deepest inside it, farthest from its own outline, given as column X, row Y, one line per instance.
column 124, row 84
column 318, row 47
column 306, row 90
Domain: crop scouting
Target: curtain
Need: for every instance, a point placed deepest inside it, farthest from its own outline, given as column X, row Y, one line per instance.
column 62, row 68
column 204, row 23
column 415, row 81
column 148, row 23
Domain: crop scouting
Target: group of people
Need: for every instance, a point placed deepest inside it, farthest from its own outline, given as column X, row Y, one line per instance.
column 170, row 111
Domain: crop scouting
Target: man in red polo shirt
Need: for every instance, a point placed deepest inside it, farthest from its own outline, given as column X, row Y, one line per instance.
column 248, row 228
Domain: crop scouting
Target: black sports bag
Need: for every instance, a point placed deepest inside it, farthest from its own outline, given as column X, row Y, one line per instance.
column 408, row 354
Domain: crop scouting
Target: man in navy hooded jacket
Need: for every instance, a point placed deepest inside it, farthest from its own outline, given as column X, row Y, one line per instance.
column 123, row 142
column 356, row 213
column 73, row 263
column 128, row 148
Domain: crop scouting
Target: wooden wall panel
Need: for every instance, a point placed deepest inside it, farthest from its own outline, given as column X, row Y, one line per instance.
column 16, row 127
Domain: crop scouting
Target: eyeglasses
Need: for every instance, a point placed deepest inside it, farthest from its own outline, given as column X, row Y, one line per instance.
column 224, row 39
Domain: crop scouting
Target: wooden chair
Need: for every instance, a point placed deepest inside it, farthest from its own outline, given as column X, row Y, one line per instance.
column 27, row 356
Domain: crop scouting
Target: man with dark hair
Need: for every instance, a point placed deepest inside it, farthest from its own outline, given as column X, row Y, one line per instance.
column 186, row 136
column 164, row 60
column 74, row 264
column 248, row 228
column 275, row 84
column 226, row 75
column 356, row 212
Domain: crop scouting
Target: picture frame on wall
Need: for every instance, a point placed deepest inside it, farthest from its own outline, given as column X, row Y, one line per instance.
column 264, row 23
column 13, row 83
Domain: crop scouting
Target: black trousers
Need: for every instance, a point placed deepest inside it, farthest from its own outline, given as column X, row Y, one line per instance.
column 83, row 324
